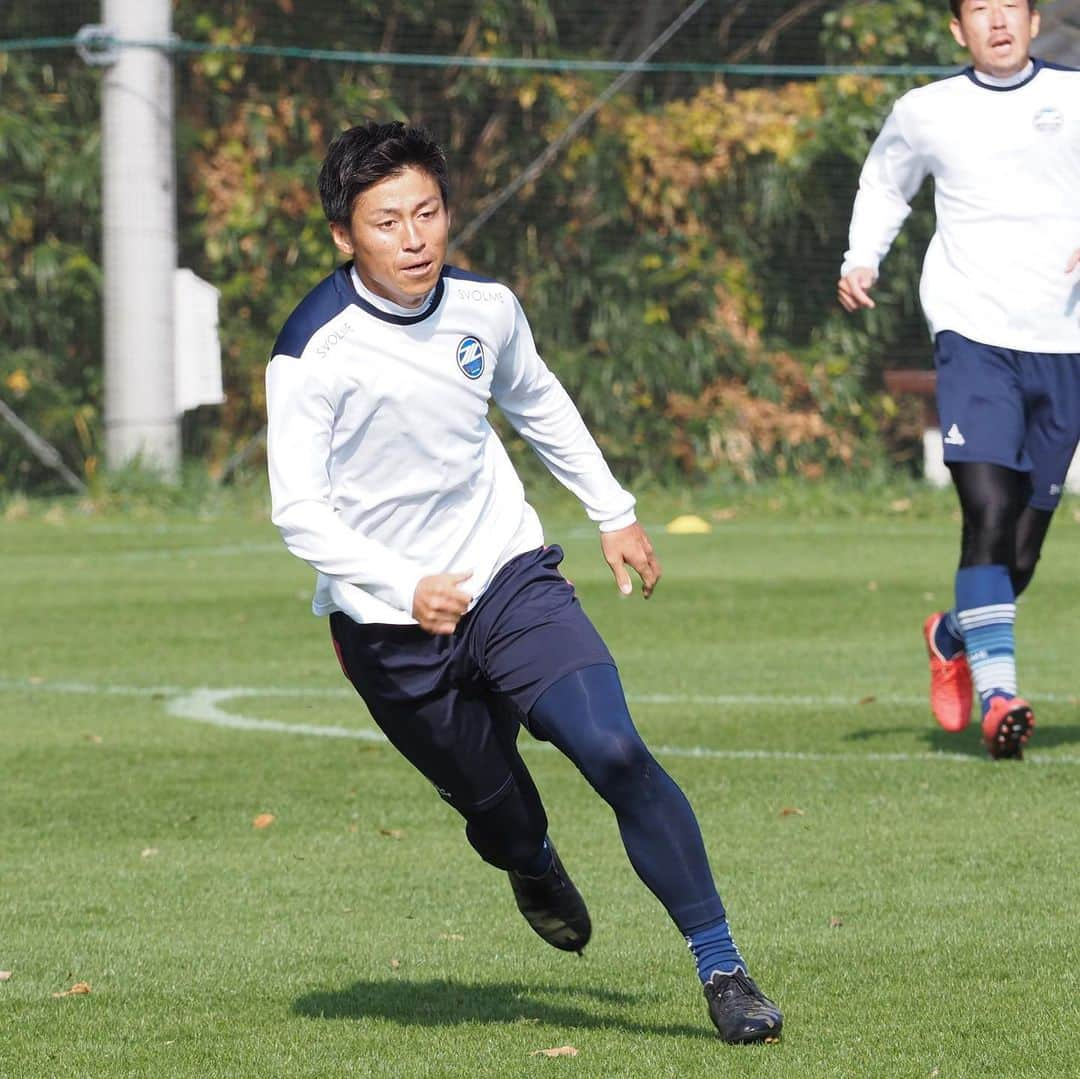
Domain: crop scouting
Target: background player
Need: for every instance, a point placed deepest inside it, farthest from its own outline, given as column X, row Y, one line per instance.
column 448, row 612
column 1002, row 297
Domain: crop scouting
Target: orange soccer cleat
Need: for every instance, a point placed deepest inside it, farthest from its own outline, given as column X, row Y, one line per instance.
column 1006, row 727
column 950, row 682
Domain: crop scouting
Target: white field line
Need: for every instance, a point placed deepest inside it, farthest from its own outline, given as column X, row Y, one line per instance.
column 573, row 532
column 176, row 554
column 204, row 705
column 171, row 554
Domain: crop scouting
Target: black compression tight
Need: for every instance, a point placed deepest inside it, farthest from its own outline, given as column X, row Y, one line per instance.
column 1000, row 528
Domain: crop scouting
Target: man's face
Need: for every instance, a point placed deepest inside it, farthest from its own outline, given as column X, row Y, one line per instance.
column 397, row 236
column 997, row 33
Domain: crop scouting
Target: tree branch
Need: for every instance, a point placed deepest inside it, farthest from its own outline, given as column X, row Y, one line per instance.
column 767, row 39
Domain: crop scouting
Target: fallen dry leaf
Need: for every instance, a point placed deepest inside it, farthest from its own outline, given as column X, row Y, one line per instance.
column 450, row 936
column 391, row 833
column 79, row 989
column 871, row 586
column 792, row 811
column 867, row 700
column 395, row 964
column 562, row 1051
column 726, row 513
column 835, row 923
column 94, row 739
column 900, row 505
column 5, row 975
column 263, row 820
column 149, row 852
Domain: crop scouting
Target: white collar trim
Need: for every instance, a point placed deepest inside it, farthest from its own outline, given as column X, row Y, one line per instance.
column 381, row 303
column 1009, row 80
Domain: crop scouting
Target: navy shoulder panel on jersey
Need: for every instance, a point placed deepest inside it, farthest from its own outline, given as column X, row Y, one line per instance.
column 327, row 299
column 1051, row 66
column 458, row 274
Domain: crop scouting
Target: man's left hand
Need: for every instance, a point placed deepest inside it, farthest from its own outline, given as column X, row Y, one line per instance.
column 1074, row 261
column 631, row 547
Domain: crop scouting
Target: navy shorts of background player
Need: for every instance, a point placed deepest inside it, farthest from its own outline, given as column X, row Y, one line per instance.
column 1001, row 293
column 1020, row 410
column 447, row 608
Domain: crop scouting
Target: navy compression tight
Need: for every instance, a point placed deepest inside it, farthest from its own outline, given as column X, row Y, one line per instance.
column 585, row 716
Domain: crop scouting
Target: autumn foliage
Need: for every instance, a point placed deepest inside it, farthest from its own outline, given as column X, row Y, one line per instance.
column 677, row 259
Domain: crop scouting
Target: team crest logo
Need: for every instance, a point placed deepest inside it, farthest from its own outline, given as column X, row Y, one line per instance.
column 470, row 357
column 1049, row 120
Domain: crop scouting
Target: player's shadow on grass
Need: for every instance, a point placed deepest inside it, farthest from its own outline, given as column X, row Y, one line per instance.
column 439, row 1002
column 968, row 743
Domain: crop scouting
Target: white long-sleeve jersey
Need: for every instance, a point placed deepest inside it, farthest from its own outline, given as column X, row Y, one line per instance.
column 383, row 466
column 1006, row 166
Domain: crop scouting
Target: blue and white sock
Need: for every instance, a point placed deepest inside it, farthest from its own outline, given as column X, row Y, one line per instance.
column 714, row 950
column 986, row 612
column 948, row 637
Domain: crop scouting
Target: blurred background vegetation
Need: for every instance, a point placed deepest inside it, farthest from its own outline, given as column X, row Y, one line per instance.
column 678, row 260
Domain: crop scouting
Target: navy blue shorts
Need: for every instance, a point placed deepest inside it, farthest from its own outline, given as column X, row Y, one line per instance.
column 1004, row 407
column 452, row 704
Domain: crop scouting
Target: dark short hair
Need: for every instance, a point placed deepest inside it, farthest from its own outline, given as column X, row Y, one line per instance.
column 956, row 5
column 368, row 153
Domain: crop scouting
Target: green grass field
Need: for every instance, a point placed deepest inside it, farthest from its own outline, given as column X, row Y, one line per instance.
column 913, row 907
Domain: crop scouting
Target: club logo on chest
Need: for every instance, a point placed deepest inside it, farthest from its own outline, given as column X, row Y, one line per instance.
column 470, row 357
column 1049, row 120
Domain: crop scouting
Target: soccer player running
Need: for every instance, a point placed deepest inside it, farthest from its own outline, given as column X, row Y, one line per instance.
column 1001, row 293
column 447, row 610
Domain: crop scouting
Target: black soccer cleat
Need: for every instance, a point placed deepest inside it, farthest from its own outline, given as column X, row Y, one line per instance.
column 742, row 1012
column 553, row 907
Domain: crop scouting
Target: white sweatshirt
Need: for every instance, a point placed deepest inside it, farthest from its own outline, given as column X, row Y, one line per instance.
column 383, row 466
column 1005, row 157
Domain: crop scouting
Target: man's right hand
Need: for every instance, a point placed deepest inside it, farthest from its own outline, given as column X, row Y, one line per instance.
column 853, row 289
column 438, row 603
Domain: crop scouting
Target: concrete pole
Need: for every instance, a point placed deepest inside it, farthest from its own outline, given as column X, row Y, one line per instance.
column 139, row 171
